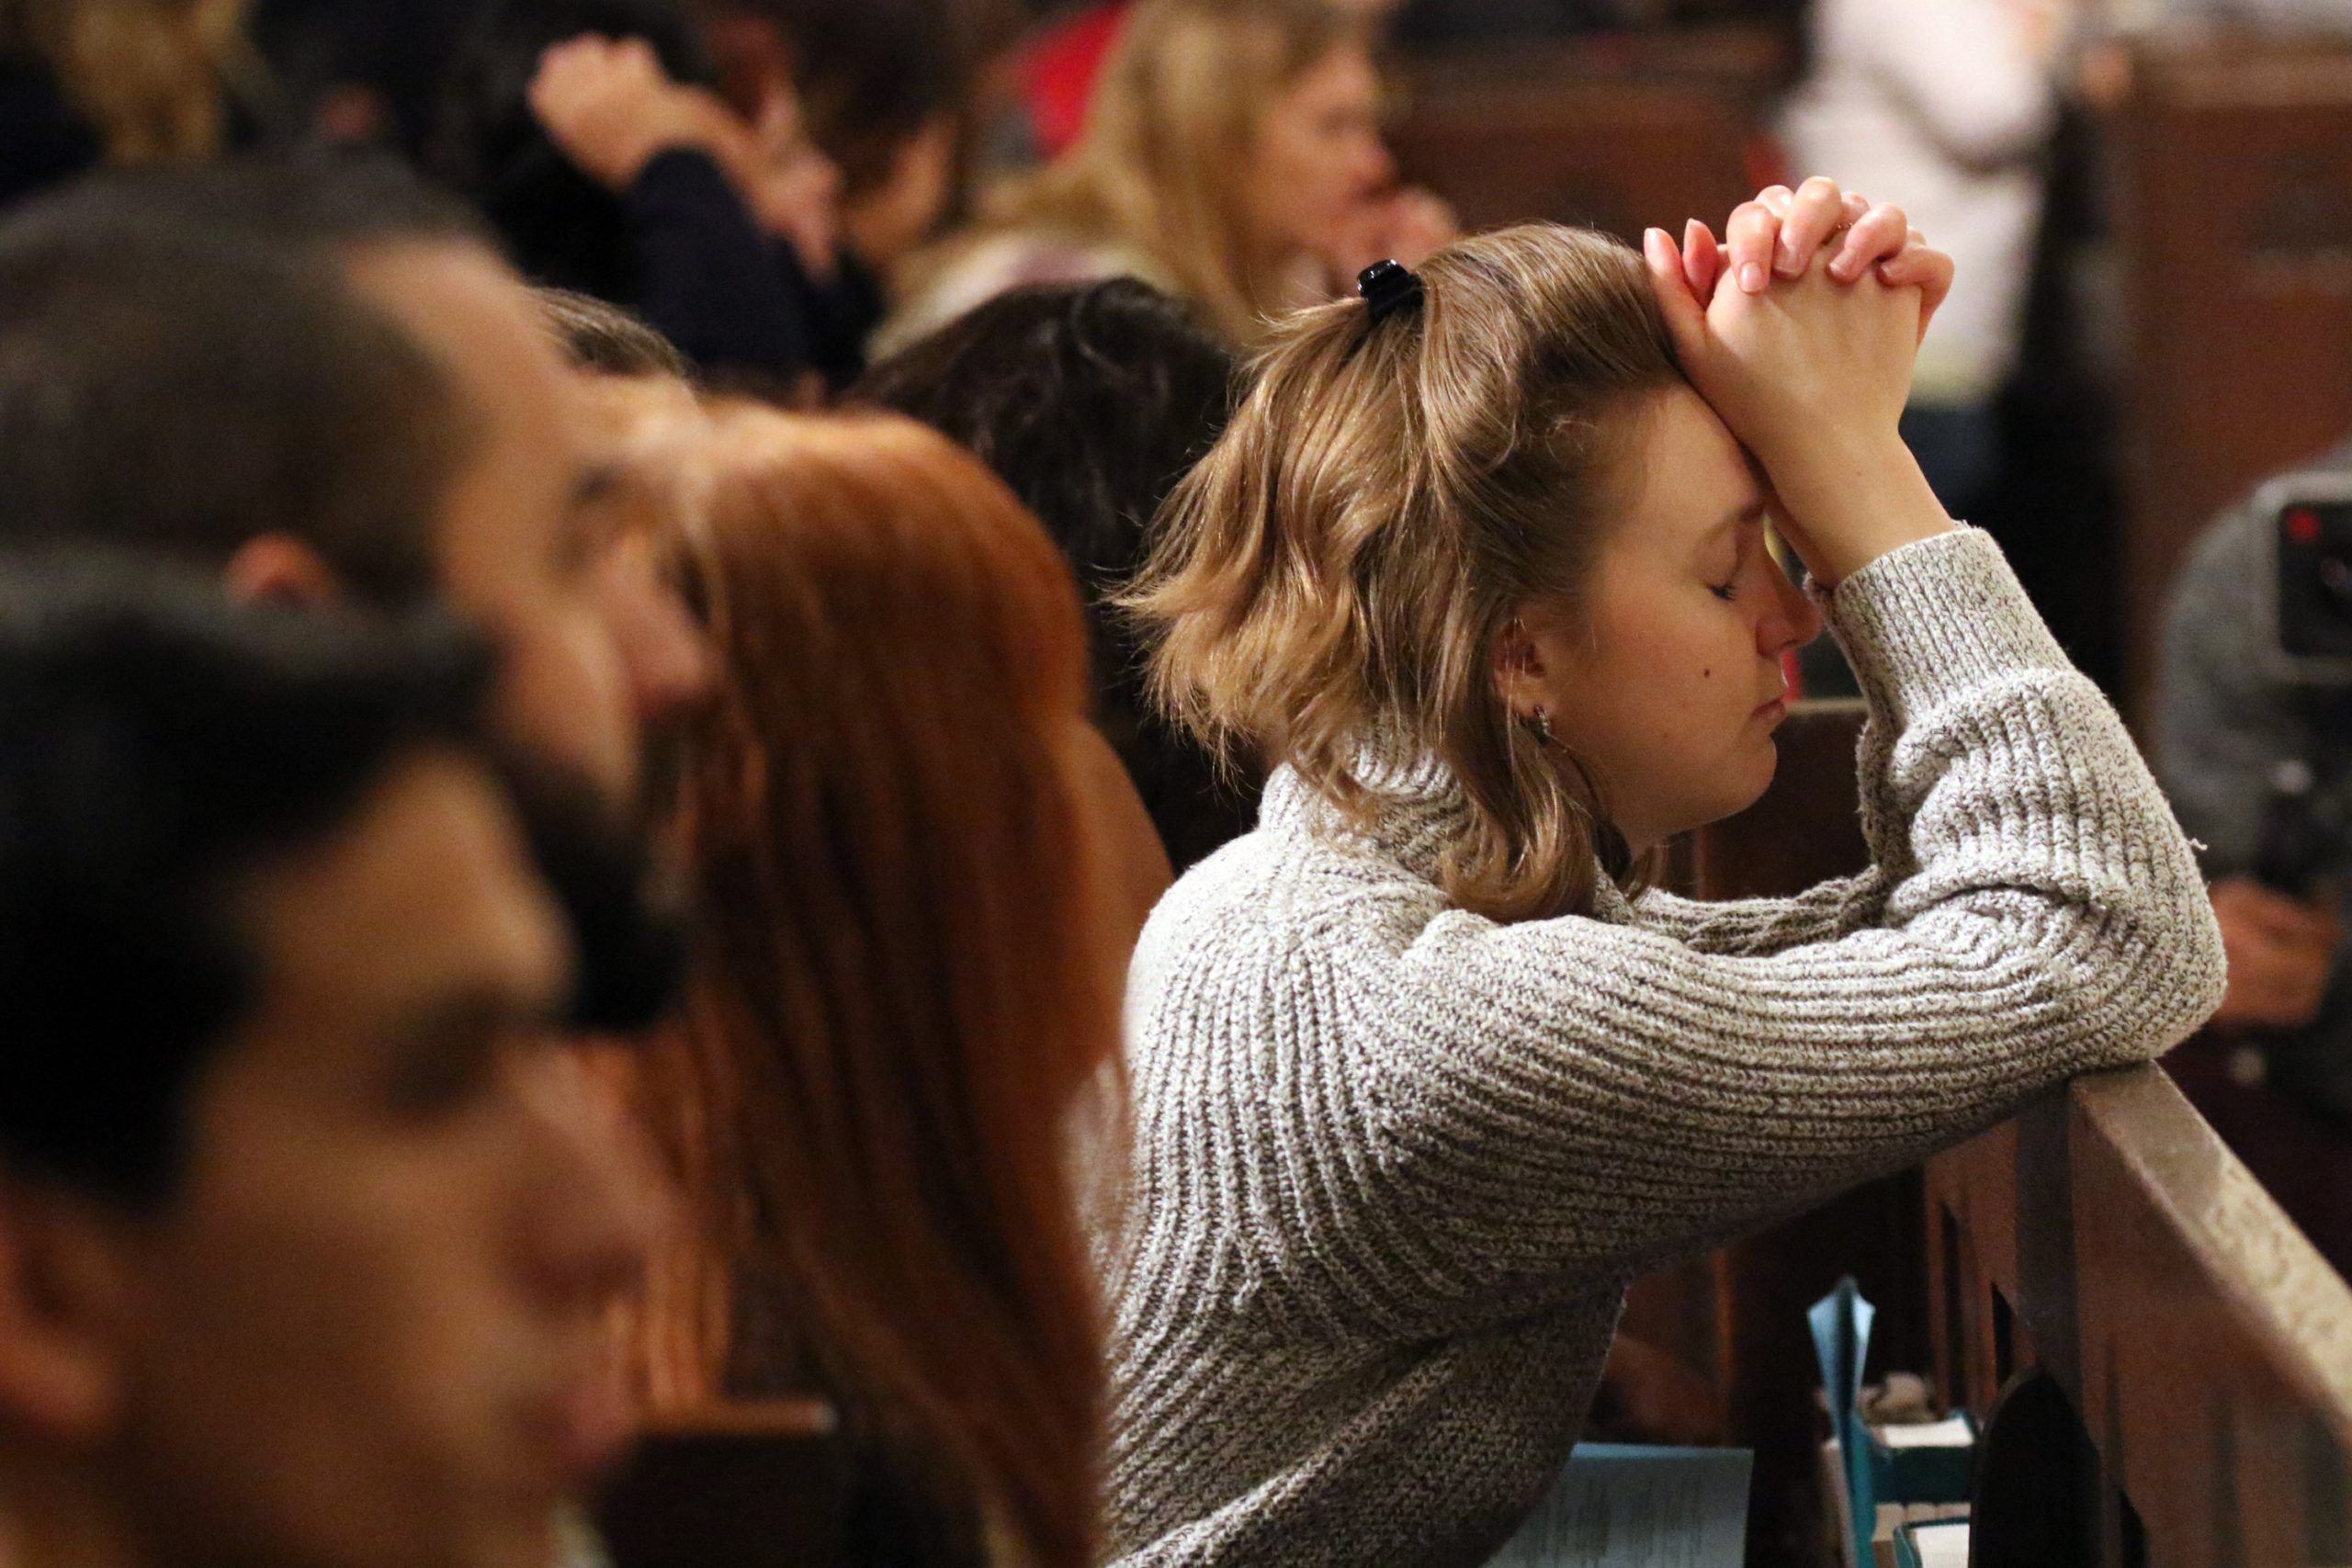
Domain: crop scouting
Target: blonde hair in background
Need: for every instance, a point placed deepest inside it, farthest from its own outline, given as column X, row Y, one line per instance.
column 1169, row 133
column 1330, row 580
column 149, row 74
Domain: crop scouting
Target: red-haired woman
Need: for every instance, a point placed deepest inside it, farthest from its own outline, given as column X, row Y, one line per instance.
column 914, row 862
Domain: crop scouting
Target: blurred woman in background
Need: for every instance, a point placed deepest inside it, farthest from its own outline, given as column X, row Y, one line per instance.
column 1232, row 156
column 903, row 835
column 90, row 82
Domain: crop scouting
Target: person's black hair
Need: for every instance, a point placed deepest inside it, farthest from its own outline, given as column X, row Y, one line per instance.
column 180, row 390
column 871, row 73
column 1091, row 400
column 560, row 225
column 156, row 742
column 606, row 340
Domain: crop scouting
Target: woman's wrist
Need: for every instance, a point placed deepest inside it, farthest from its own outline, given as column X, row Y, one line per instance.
column 1850, row 504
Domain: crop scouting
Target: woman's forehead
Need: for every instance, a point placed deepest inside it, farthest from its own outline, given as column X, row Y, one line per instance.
column 1693, row 476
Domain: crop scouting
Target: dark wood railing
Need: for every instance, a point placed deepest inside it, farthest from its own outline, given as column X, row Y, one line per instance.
column 2162, row 1360
column 2163, row 1363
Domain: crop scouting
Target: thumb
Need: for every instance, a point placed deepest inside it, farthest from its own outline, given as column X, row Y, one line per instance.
column 1686, row 319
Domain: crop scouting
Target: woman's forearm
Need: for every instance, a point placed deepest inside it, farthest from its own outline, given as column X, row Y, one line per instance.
column 1849, row 501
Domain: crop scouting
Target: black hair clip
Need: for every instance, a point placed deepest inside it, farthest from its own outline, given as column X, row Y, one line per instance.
column 1386, row 288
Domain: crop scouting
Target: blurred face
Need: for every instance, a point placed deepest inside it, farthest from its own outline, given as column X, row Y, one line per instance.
column 1670, row 682
column 516, row 541
column 366, row 1328
column 1319, row 155
column 894, row 218
column 666, row 659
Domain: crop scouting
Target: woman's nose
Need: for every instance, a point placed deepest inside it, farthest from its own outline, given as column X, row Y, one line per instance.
column 1795, row 619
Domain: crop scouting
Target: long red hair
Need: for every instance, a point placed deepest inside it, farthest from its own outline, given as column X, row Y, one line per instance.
column 902, row 997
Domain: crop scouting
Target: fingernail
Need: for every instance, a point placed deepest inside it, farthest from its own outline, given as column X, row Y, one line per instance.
column 1651, row 239
column 1786, row 262
column 1751, row 278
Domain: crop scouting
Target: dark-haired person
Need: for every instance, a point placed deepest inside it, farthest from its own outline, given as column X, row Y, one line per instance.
column 1091, row 400
column 304, row 1239
column 887, row 87
column 319, row 379
column 592, row 133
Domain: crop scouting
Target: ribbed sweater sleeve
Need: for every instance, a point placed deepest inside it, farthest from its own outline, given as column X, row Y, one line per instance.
column 1572, row 1097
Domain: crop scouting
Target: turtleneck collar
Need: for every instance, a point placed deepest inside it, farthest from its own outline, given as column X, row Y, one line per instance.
column 1419, row 811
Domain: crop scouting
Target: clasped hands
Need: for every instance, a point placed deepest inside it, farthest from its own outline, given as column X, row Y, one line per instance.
column 1799, row 329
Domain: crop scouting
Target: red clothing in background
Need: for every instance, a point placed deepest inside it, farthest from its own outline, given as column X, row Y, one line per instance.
column 1057, row 71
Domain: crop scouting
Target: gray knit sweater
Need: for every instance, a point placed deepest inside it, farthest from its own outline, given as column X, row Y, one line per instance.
column 1395, row 1163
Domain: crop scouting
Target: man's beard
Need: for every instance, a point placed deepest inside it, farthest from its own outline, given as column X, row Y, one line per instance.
column 627, row 920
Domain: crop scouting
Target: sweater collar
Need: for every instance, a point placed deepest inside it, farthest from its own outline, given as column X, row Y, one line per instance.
column 1419, row 809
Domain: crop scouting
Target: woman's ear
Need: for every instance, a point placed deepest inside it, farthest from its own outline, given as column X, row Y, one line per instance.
column 1517, row 665
column 281, row 570
column 65, row 1316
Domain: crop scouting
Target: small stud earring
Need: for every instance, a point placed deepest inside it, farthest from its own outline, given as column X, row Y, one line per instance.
column 1539, row 724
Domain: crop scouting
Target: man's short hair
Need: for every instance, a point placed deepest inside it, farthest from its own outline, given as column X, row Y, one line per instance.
column 179, row 386
column 156, row 740
column 306, row 200
column 606, row 340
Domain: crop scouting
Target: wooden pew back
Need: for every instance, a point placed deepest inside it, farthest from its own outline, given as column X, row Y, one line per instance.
column 2107, row 1239
column 1617, row 133
column 2232, row 169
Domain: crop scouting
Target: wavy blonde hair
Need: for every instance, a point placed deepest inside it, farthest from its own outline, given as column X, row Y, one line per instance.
column 1331, row 579
column 1174, row 119
column 149, row 74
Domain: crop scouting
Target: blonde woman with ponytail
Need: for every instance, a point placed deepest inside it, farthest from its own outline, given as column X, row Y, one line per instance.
column 122, row 82
column 1423, row 1072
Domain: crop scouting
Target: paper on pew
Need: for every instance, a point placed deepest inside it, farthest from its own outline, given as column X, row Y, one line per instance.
column 1950, row 1433
column 1621, row 1506
column 1941, row 1546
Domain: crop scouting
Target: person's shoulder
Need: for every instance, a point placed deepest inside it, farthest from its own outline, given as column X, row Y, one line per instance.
column 1285, row 884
